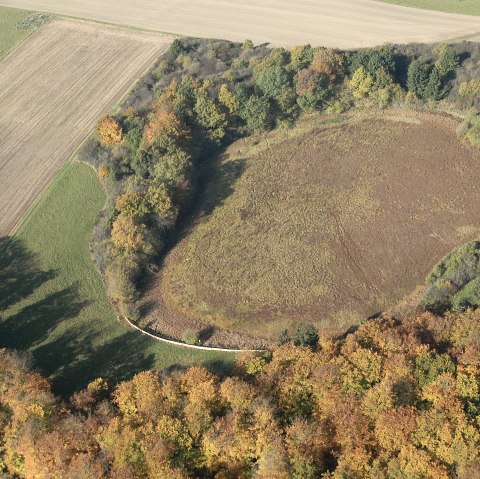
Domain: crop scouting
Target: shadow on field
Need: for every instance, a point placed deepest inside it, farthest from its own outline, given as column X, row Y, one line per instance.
column 75, row 361
column 215, row 184
column 223, row 177
column 19, row 272
column 72, row 359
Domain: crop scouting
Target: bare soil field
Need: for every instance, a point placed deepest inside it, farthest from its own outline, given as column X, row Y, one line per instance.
column 53, row 88
column 333, row 23
column 327, row 224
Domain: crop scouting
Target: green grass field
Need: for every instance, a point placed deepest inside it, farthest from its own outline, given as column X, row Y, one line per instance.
column 53, row 301
column 467, row 7
column 10, row 35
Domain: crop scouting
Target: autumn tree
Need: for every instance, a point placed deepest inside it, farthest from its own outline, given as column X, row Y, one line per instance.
column 109, row 131
column 329, row 62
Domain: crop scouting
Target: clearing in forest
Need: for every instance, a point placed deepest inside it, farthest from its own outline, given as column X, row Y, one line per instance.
column 330, row 23
column 53, row 88
column 327, row 224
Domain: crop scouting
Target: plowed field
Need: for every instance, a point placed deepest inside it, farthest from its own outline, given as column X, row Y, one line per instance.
column 336, row 23
column 53, row 88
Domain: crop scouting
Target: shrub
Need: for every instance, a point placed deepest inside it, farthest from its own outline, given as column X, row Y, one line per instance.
column 121, row 274
column 470, row 129
column 131, row 311
column 447, row 59
column 283, row 338
column 34, row 21
column 306, row 335
column 247, row 45
column 470, row 88
column 191, row 337
column 452, row 281
column 468, row 297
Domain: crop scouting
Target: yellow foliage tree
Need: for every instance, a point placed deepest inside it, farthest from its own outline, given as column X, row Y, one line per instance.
column 228, row 99
column 109, row 131
column 128, row 236
column 361, row 83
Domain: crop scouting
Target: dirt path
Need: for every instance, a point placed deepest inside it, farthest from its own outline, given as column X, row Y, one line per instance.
column 338, row 23
column 53, row 88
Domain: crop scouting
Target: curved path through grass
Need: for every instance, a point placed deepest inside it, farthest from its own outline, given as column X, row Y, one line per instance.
column 53, row 301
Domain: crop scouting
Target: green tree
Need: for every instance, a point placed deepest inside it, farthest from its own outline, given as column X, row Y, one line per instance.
column 176, row 48
column 210, row 117
column 283, row 338
column 428, row 366
column 372, row 59
column 301, row 57
column 435, row 88
column 362, row 83
column 418, row 76
column 257, row 113
column 306, row 335
column 447, row 59
column 272, row 80
column 247, row 45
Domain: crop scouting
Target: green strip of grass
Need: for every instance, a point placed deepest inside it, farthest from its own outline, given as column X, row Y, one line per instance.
column 53, row 301
column 10, row 35
column 467, row 7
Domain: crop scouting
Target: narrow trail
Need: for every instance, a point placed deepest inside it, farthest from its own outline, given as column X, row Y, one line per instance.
column 185, row 345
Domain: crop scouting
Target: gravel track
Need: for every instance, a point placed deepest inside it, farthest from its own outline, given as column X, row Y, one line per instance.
column 53, row 88
column 337, row 23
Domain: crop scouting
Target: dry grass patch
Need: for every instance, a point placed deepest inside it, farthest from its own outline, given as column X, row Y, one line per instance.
column 329, row 226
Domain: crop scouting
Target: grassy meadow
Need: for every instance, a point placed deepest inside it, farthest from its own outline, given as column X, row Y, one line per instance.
column 10, row 34
column 466, row 7
column 53, row 301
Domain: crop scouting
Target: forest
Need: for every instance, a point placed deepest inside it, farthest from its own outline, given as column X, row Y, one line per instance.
column 393, row 400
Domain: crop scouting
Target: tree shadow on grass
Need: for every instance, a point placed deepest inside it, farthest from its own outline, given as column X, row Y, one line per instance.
column 33, row 324
column 20, row 275
column 217, row 184
column 77, row 360
column 22, row 326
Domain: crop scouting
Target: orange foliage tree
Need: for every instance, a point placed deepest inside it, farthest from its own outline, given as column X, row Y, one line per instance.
column 109, row 131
